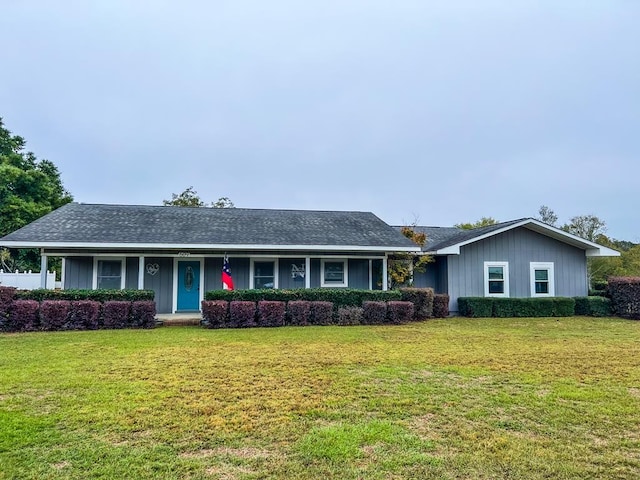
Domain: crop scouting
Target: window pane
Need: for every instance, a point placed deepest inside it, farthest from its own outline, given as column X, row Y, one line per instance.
column 334, row 272
column 496, row 273
column 542, row 287
column 542, row 275
column 263, row 282
column 263, row 269
column 496, row 286
column 109, row 274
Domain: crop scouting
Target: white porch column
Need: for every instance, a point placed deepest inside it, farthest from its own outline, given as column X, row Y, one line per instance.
column 43, row 271
column 370, row 274
column 140, row 273
column 307, row 272
column 385, row 280
column 63, row 268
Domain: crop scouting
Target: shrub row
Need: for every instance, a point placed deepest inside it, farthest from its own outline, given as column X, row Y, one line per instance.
column 270, row 313
column 95, row 295
column 593, row 306
column 50, row 315
column 422, row 299
column 340, row 297
column 516, row 307
column 625, row 296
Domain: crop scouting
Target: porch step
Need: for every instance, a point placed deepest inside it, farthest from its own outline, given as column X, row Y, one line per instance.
column 178, row 319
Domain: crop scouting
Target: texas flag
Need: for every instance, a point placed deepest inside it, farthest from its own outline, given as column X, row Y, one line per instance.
column 227, row 281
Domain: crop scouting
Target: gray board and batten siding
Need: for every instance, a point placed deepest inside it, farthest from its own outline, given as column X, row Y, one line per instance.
column 519, row 247
column 78, row 273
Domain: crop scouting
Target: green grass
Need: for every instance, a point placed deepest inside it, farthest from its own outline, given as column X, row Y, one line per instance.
column 445, row 399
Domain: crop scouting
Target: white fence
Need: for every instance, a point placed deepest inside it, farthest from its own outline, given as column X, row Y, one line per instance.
column 26, row 280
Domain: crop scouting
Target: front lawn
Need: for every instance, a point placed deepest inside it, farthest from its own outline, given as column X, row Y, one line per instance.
column 453, row 398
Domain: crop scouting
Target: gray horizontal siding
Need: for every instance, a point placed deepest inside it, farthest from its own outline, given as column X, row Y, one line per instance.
column 519, row 247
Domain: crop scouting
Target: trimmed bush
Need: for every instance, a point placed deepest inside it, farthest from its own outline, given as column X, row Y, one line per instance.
column 271, row 313
column 422, row 299
column 242, row 314
column 594, row 306
column 563, row 306
column 54, row 315
column 441, row 305
column 84, row 315
column 475, row 307
column 299, row 312
column 321, row 313
column 340, row 297
column 503, row 307
column 143, row 314
column 215, row 313
column 96, row 295
column 7, row 294
column 625, row 296
column 400, row 312
column 115, row 314
column 374, row 313
column 350, row 315
column 23, row 316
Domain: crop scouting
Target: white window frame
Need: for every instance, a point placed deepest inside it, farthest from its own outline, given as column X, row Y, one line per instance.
column 505, row 272
column 345, row 269
column 548, row 266
column 123, row 270
column 276, row 270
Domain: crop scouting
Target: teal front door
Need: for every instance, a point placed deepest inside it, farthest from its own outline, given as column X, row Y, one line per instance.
column 188, row 285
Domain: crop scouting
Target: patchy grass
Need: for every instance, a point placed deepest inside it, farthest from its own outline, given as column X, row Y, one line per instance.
column 453, row 398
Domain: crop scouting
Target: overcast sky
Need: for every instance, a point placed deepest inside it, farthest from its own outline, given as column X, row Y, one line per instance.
column 444, row 111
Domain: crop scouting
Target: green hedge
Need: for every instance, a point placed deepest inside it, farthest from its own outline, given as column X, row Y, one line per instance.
column 516, row 307
column 343, row 297
column 95, row 295
column 594, row 306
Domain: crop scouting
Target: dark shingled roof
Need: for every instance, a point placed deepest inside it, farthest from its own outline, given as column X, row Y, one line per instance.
column 99, row 224
column 442, row 237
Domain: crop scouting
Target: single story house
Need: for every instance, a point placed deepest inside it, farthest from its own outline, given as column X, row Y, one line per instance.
column 519, row 258
column 179, row 252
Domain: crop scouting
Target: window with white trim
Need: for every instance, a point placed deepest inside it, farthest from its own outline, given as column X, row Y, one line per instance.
column 542, row 279
column 109, row 274
column 264, row 274
column 333, row 273
column 496, row 279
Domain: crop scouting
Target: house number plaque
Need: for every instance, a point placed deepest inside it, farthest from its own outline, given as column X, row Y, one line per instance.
column 184, row 254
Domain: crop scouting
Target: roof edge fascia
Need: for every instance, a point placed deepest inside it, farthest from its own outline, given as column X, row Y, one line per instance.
column 592, row 249
column 227, row 247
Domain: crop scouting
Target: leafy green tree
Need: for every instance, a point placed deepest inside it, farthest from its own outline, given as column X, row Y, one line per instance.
column 586, row 226
column 29, row 189
column 190, row 198
column 483, row 222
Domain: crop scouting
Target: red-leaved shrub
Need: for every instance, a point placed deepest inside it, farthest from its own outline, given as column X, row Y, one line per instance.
column 375, row 313
column 215, row 313
column 115, row 314
column 350, row 316
column 441, row 305
column 299, row 312
column 54, row 314
column 625, row 296
column 422, row 299
column 143, row 314
column 321, row 313
column 23, row 316
column 242, row 314
column 84, row 315
column 271, row 313
column 399, row 312
column 7, row 294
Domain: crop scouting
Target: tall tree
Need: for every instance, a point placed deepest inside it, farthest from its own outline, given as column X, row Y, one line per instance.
column 29, row 189
column 483, row 222
column 586, row 226
column 546, row 215
column 190, row 198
